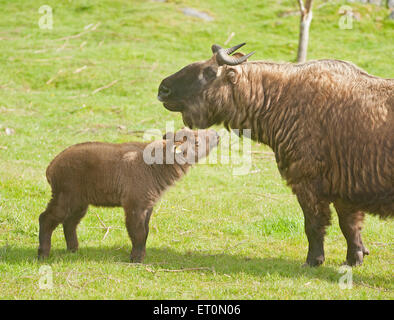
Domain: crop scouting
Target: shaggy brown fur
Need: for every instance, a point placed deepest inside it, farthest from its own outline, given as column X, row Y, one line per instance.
column 105, row 174
column 329, row 123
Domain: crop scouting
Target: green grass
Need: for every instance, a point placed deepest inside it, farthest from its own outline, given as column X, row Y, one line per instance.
column 239, row 237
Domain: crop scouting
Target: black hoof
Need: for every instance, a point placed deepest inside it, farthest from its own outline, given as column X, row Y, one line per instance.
column 355, row 259
column 314, row 262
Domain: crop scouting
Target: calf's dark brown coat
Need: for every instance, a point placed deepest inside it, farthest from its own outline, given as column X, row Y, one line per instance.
column 112, row 175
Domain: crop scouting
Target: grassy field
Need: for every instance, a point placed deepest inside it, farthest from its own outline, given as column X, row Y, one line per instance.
column 214, row 235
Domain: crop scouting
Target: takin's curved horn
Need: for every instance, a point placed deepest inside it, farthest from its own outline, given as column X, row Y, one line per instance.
column 235, row 48
column 223, row 55
column 215, row 48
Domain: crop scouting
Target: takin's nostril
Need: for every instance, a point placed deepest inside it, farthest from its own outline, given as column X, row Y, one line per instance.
column 164, row 91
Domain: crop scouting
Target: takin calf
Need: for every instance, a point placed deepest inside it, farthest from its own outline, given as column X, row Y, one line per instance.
column 132, row 175
column 329, row 123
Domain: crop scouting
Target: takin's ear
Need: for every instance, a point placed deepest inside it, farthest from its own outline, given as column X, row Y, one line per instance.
column 232, row 74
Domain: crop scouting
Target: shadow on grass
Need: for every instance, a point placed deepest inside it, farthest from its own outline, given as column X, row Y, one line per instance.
column 159, row 259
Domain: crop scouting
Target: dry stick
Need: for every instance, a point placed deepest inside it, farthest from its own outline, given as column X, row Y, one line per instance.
column 50, row 59
column 269, row 196
column 70, row 283
column 104, row 226
column 183, row 269
column 232, row 34
column 80, row 34
column 234, row 246
column 63, row 46
column 382, row 244
column 372, row 287
column 105, row 87
column 80, row 69
column 54, row 77
column 145, row 120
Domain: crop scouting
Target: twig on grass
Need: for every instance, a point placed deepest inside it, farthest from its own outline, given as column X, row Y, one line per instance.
column 265, row 195
column 233, row 246
column 105, row 87
column 80, row 69
column 212, row 269
column 55, row 76
column 84, row 284
column 382, row 244
column 80, row 34
column 371, row 287
column 63, row 46
column 50, row 59
column 104, row 226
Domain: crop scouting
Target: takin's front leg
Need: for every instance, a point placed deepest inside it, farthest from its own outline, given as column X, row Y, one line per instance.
column 137, row 224
column 350, row 221
column 317, row 216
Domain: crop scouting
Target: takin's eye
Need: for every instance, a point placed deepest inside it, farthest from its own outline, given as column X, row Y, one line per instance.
column 209, row 73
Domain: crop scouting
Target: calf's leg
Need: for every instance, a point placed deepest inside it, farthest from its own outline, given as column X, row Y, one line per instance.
column 147, row 219
column 137, row 224
column 70, row 227
column 350, row 221
column 48, row 221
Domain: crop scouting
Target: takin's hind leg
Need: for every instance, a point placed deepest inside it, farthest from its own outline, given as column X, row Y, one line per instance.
column 350, row 221
column 70, row 227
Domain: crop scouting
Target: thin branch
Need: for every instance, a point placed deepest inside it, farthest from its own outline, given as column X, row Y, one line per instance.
column 104, row 227
column 101, row 221
column 183, row 269
column 234, row 246
column 232, row 34
column 80, row 69
column 372, row 287
column 80, row 34
column 105, row 87
column 54, row 77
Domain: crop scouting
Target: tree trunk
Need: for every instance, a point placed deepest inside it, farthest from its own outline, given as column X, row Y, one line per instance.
column 306, row 19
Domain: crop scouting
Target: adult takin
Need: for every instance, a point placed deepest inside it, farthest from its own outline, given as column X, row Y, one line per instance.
column 132, row 175
column 329, row 123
